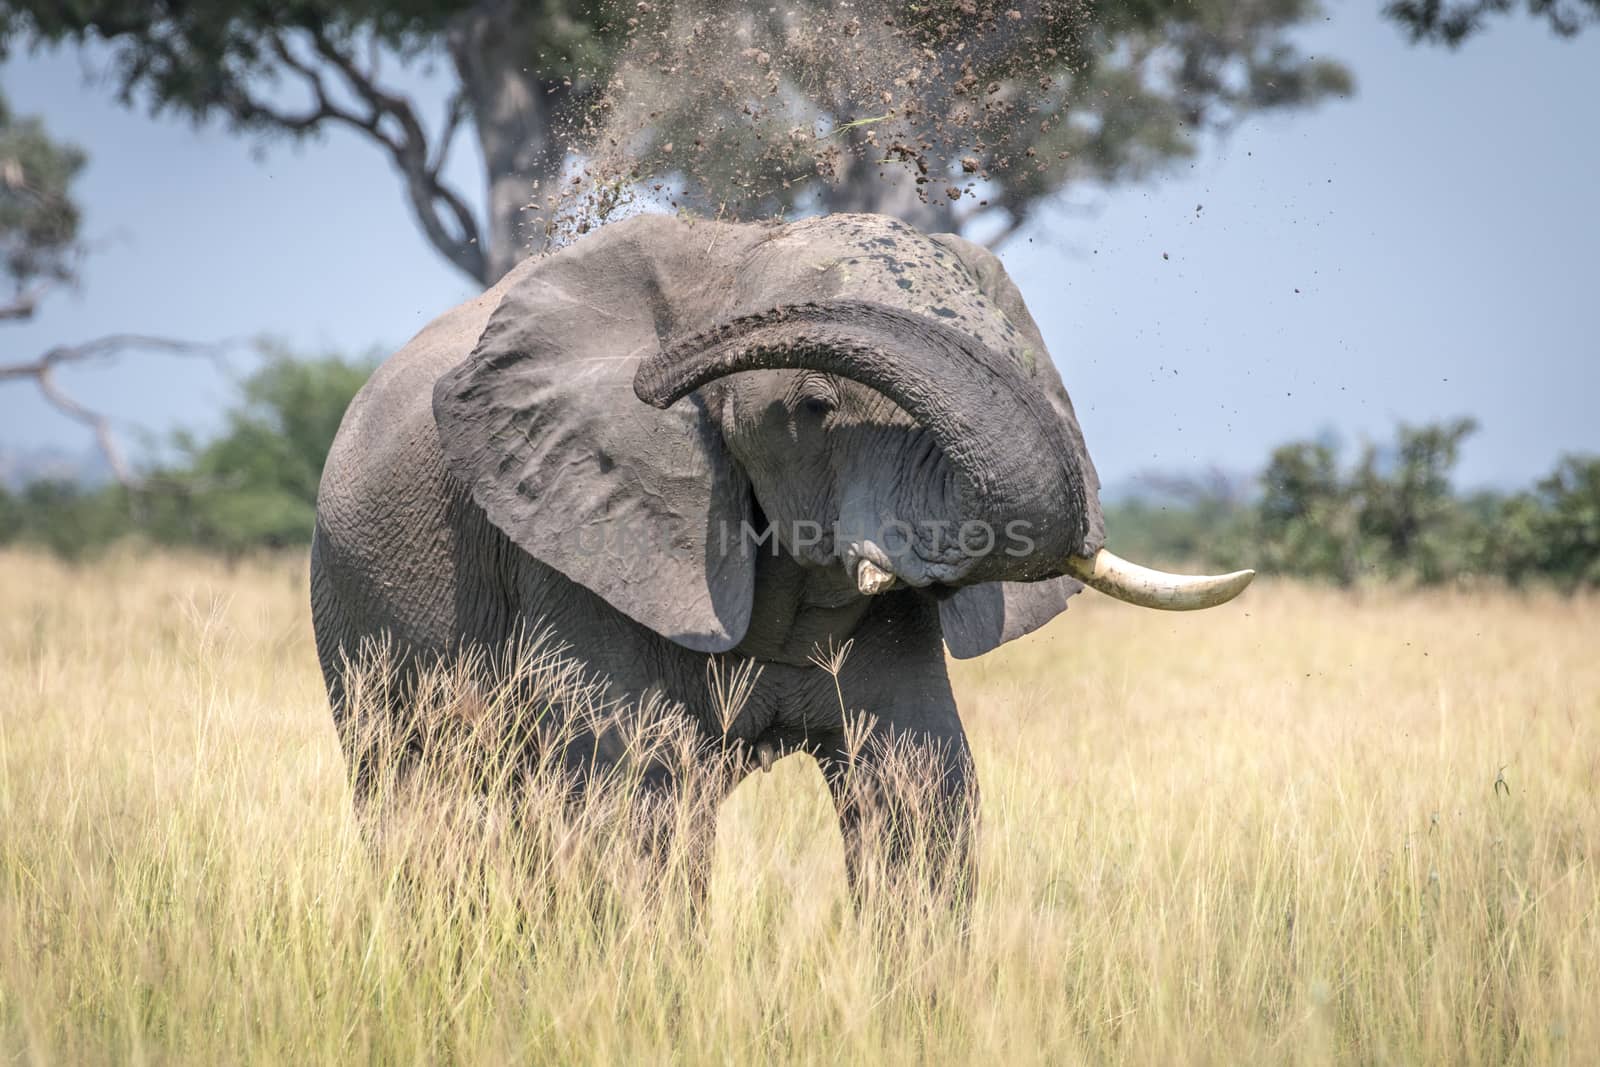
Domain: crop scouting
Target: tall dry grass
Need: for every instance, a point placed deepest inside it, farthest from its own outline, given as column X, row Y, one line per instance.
column 1308, row 828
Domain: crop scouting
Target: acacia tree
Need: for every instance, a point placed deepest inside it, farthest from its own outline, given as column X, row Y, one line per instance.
column 1051, row 92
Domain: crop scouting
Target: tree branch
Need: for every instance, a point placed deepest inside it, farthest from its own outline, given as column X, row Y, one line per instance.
column 455, row 111
column 42, row 372
column 389, row 120
column 411, row 155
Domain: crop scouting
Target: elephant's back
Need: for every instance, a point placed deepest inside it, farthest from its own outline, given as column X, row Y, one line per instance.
column 393, row 411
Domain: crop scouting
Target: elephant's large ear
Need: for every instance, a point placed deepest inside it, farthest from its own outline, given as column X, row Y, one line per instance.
column 981, row 617
column 640, row 505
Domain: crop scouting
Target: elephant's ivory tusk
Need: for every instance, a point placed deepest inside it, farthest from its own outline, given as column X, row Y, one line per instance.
column 1116, row 577
column 872, row 579
column 765, row 756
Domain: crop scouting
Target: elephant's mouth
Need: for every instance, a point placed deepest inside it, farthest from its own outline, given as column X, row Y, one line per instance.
column 864, row 556
column 873, row 570
column 872, row 579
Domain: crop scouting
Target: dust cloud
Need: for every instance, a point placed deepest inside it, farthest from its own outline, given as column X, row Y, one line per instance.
column 737, row 112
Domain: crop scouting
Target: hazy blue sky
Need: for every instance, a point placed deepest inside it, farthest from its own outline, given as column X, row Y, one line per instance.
column 1427, row 248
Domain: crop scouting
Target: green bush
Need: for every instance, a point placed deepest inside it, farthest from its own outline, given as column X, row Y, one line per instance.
column 1565, row 517
column 64, row 517
column 1393, row 516
column 254, row 486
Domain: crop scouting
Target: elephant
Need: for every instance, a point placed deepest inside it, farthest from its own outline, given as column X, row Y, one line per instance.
column 680, row 441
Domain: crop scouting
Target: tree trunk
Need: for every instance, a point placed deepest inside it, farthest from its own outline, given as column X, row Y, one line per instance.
column 513, row 112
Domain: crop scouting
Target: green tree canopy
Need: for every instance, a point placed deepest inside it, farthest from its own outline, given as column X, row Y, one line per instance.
column 38, row 218
column 1308, row 513
column 1408, row 511
column 1450, row 23
column 1566, row 522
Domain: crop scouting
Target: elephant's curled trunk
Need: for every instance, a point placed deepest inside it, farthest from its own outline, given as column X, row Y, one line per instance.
column 1014, row 462
column 1002, row 439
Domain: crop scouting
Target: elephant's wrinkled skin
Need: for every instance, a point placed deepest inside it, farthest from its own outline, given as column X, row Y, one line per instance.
column 881, row 374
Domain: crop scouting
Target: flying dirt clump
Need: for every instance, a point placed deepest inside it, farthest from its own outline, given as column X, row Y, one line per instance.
column 745, row 113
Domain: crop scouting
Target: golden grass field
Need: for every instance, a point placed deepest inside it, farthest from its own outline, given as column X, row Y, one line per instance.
column 1311, row 827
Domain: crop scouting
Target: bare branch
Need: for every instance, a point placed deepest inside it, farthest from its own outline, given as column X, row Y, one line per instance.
column 455, row 111
column 389, row 120
column 42, row 372
column 248, row 108
column 411, row 155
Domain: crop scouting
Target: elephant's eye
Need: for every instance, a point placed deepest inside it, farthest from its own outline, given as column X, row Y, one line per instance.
column 813, row 397
column 817, row 406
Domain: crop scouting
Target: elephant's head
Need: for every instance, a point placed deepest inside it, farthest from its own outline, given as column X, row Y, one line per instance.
column 645, row 410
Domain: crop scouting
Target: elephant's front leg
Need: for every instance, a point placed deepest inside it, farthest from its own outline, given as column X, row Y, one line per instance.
column 900, row 769
column 651, row 807
column 908, row 810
